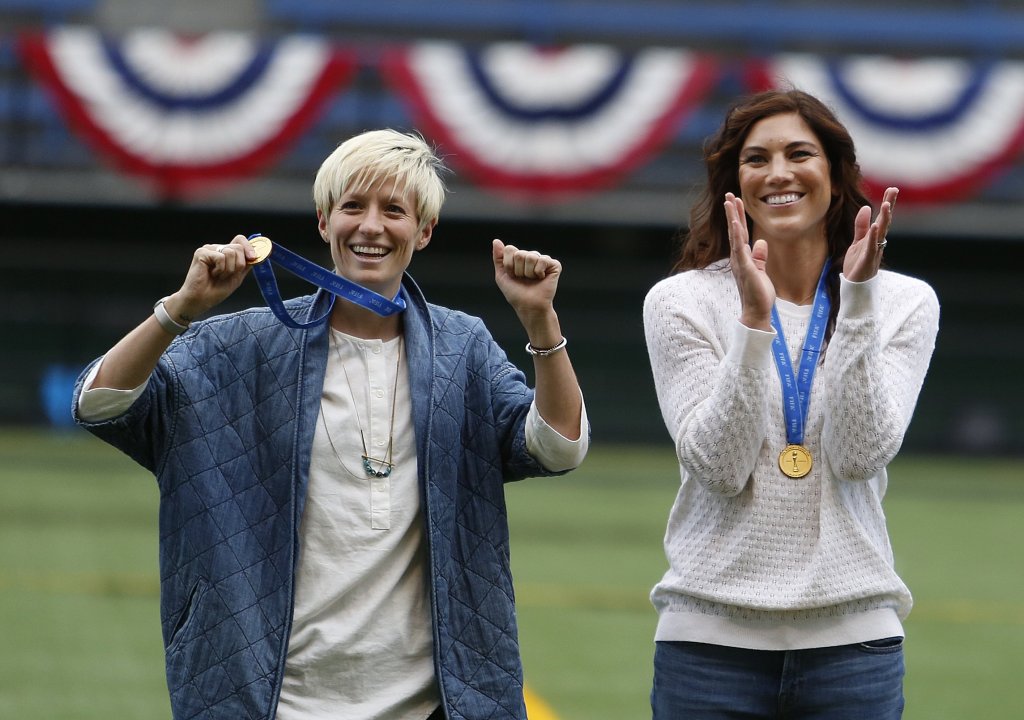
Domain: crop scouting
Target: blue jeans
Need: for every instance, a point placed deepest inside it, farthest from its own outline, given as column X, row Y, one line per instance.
column 712, row 682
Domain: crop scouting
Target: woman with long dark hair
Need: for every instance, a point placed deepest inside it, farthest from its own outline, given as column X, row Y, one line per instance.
column 787, row 366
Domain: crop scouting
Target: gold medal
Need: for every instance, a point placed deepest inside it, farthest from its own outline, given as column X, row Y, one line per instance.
column 795, row 461
column 262, row 246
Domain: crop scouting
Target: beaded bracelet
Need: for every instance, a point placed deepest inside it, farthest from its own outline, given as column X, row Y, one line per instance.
column 544, row 352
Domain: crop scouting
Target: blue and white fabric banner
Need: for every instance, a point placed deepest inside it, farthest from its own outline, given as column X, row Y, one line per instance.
column 547, row 122
column 186, row 111
column 937, row 128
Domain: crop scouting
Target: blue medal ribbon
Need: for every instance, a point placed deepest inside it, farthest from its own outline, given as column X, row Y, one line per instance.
column 335, row 284
column 796, row 390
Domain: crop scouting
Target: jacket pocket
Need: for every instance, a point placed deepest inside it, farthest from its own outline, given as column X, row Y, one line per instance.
column 187, row 615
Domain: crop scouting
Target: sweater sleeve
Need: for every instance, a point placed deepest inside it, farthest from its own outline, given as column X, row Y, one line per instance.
column 875, row 366
column 712, row 392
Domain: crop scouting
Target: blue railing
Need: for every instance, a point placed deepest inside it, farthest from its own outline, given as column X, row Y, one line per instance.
column 979, row 27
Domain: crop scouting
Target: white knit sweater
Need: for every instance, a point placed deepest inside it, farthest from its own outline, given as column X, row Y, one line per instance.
column 758, row 559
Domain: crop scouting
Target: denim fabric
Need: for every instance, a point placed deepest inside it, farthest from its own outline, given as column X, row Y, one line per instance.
column 713, row 682
column 226, row 425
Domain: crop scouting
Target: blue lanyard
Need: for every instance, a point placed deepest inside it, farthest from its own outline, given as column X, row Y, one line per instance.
column 796, row 391
column 313, row 273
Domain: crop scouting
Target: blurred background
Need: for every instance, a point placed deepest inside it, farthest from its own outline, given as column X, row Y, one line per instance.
column 132, row 131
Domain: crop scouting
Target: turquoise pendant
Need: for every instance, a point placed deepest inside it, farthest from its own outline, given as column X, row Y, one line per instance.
column 385, row 467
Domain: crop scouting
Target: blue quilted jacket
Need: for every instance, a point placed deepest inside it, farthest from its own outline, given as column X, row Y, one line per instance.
column 226, row 426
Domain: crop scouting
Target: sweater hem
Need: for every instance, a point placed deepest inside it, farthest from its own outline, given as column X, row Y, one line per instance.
column 778, row 635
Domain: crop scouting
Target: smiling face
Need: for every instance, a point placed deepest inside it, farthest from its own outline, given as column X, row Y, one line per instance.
column 785, row 180
column 373, row 232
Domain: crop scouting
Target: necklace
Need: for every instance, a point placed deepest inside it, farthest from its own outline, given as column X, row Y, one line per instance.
column 384, row 466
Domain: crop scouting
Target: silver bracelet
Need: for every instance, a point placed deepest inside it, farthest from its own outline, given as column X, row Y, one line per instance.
column 544, row 352
column 166, row 321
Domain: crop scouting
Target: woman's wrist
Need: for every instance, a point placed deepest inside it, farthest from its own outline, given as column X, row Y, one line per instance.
column 547, row 349
column 542, row 329
column 756, row 321
column 170, row 321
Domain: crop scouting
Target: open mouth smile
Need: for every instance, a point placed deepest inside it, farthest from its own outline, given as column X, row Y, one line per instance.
column 370, row 251
column 782, row 199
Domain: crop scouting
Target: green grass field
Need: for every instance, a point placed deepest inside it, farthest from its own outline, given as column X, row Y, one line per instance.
column 78, row 582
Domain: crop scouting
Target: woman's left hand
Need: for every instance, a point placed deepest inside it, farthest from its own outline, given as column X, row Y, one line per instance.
column 528, row 279
column 864, row 256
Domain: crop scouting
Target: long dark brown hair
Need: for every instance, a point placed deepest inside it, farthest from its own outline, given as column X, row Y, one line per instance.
column 707, row 238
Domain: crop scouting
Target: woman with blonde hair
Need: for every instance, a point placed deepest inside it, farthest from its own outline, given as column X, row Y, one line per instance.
column 333, row 532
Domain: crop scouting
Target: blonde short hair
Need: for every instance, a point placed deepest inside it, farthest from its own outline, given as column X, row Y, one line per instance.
column 377, row 156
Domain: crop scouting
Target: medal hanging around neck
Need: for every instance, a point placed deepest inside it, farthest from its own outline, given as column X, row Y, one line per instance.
column 312, row 273
column 795, row 460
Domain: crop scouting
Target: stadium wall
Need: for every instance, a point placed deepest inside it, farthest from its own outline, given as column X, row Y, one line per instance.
column 87, row 247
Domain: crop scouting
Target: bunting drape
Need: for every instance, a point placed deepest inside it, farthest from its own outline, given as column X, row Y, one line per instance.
column 549, row 122
column 189, row 113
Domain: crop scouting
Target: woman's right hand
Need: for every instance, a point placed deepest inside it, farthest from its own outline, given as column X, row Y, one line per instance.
column 757, row 293
column 215, row 273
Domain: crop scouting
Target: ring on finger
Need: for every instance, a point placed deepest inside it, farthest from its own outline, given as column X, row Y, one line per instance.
column 883, row 243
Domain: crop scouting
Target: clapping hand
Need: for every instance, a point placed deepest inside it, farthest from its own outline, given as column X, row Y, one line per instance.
column 757, row 293
column 864, row 256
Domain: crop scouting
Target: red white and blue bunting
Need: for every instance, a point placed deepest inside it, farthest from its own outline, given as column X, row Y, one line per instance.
column 938, row 128
column 514, row 118
column 185, row 112
column 547, row 122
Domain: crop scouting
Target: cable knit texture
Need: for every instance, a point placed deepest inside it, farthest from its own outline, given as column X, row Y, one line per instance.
column 744, row 542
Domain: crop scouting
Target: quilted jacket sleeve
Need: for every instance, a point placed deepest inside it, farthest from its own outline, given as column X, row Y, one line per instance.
column 142, row 431
column 476, row 381
column 512, row 398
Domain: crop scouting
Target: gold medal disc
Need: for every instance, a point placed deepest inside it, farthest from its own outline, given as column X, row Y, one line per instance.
column 262, row 246
column 795, row 461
